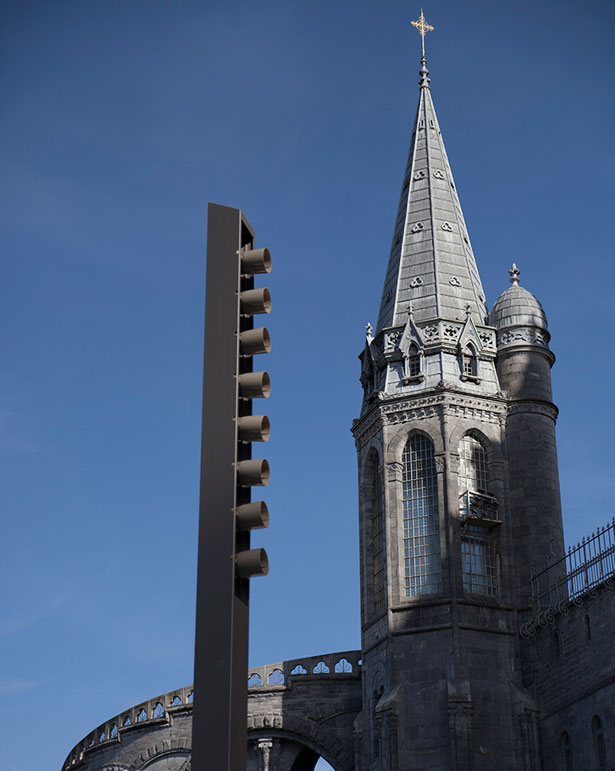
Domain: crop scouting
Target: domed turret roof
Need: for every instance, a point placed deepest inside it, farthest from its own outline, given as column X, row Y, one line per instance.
column 517, row 307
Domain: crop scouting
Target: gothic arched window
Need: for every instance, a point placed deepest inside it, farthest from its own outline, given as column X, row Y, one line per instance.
column 422, row 568
column 599, row 748
column 477, row 510
column 378, row 533
column 566, row 751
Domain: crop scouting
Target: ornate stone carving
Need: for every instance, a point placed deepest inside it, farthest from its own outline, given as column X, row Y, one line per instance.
column 521, row 335
column 416, row 281
column 430, row 332
column 406, row 416
column 265, row 746
column 486, row 338
column 439, row 174
column 454, row 281
column 420, row 174
column 394, row 470
column 417, row 227
column 391, row 340
column 447, row 227
column 451, row 332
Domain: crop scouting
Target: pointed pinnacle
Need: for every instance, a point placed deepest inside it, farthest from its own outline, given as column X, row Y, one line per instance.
column 514, row 274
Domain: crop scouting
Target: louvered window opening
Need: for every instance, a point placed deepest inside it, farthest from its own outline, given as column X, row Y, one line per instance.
column 422, row 569
column 378, row 537
column 478, row 557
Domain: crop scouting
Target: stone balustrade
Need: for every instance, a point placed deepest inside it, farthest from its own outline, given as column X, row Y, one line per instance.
column 344, row 664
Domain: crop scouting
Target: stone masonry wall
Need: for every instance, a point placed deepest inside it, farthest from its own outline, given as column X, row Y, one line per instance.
column 570, row 666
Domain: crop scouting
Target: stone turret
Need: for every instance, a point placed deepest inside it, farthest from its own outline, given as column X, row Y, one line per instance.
column 524, row 364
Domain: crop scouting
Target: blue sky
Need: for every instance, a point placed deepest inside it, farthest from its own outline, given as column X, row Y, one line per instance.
column 121, row 121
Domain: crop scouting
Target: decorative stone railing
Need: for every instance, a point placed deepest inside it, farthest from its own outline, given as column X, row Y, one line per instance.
column 150, row 712
column 346, row 664
column 157, row 711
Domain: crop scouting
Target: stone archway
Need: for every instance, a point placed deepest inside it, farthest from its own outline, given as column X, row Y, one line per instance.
column 286, row 751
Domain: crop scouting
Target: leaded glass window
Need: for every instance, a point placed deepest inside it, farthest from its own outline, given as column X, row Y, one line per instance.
column 422, row 568
column 478, row 557
column 378, row 535
column 473, row 470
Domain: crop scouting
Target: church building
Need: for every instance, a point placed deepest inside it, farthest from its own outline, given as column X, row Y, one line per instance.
column 485, row 644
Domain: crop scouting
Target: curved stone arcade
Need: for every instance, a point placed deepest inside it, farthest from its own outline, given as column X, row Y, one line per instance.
column 298, row 711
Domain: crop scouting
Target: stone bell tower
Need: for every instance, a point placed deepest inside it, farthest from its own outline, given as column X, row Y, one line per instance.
column 446, row 536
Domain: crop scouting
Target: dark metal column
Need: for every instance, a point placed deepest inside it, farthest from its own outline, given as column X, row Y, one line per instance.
column 219, row 732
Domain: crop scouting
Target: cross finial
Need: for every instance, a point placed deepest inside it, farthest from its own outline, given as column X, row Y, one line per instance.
column 423, row 27
column 368, row 330
column 514, row 274
column 410, row 310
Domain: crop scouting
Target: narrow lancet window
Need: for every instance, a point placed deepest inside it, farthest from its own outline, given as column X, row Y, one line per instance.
column 414, row 362
column 566, row 752
column 378, row 535
column 423, row 573
column 477, row 513
column 469, row 366
column 599, row 747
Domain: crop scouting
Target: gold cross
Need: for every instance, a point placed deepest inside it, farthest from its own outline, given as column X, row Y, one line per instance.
column 422, row 27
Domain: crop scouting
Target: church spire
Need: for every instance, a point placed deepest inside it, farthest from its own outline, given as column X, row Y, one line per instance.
column 431, row 263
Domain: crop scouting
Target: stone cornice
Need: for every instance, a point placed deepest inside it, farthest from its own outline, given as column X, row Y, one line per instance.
column 391, row 410
column 534, row 406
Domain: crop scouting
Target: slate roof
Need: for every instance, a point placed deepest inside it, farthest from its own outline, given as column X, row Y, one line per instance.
column 431, row 264
column 517, row 307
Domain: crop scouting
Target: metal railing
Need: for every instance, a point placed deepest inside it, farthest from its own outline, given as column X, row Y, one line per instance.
column 572, row 578
column 477, row 507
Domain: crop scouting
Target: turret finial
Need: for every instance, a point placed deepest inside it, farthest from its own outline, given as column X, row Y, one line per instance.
column 410, row 310
column 423, row 27
column 368, row 330
column 514, row 274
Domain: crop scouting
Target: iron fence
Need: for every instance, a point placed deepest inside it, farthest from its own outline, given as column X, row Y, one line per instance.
column 572, row 578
